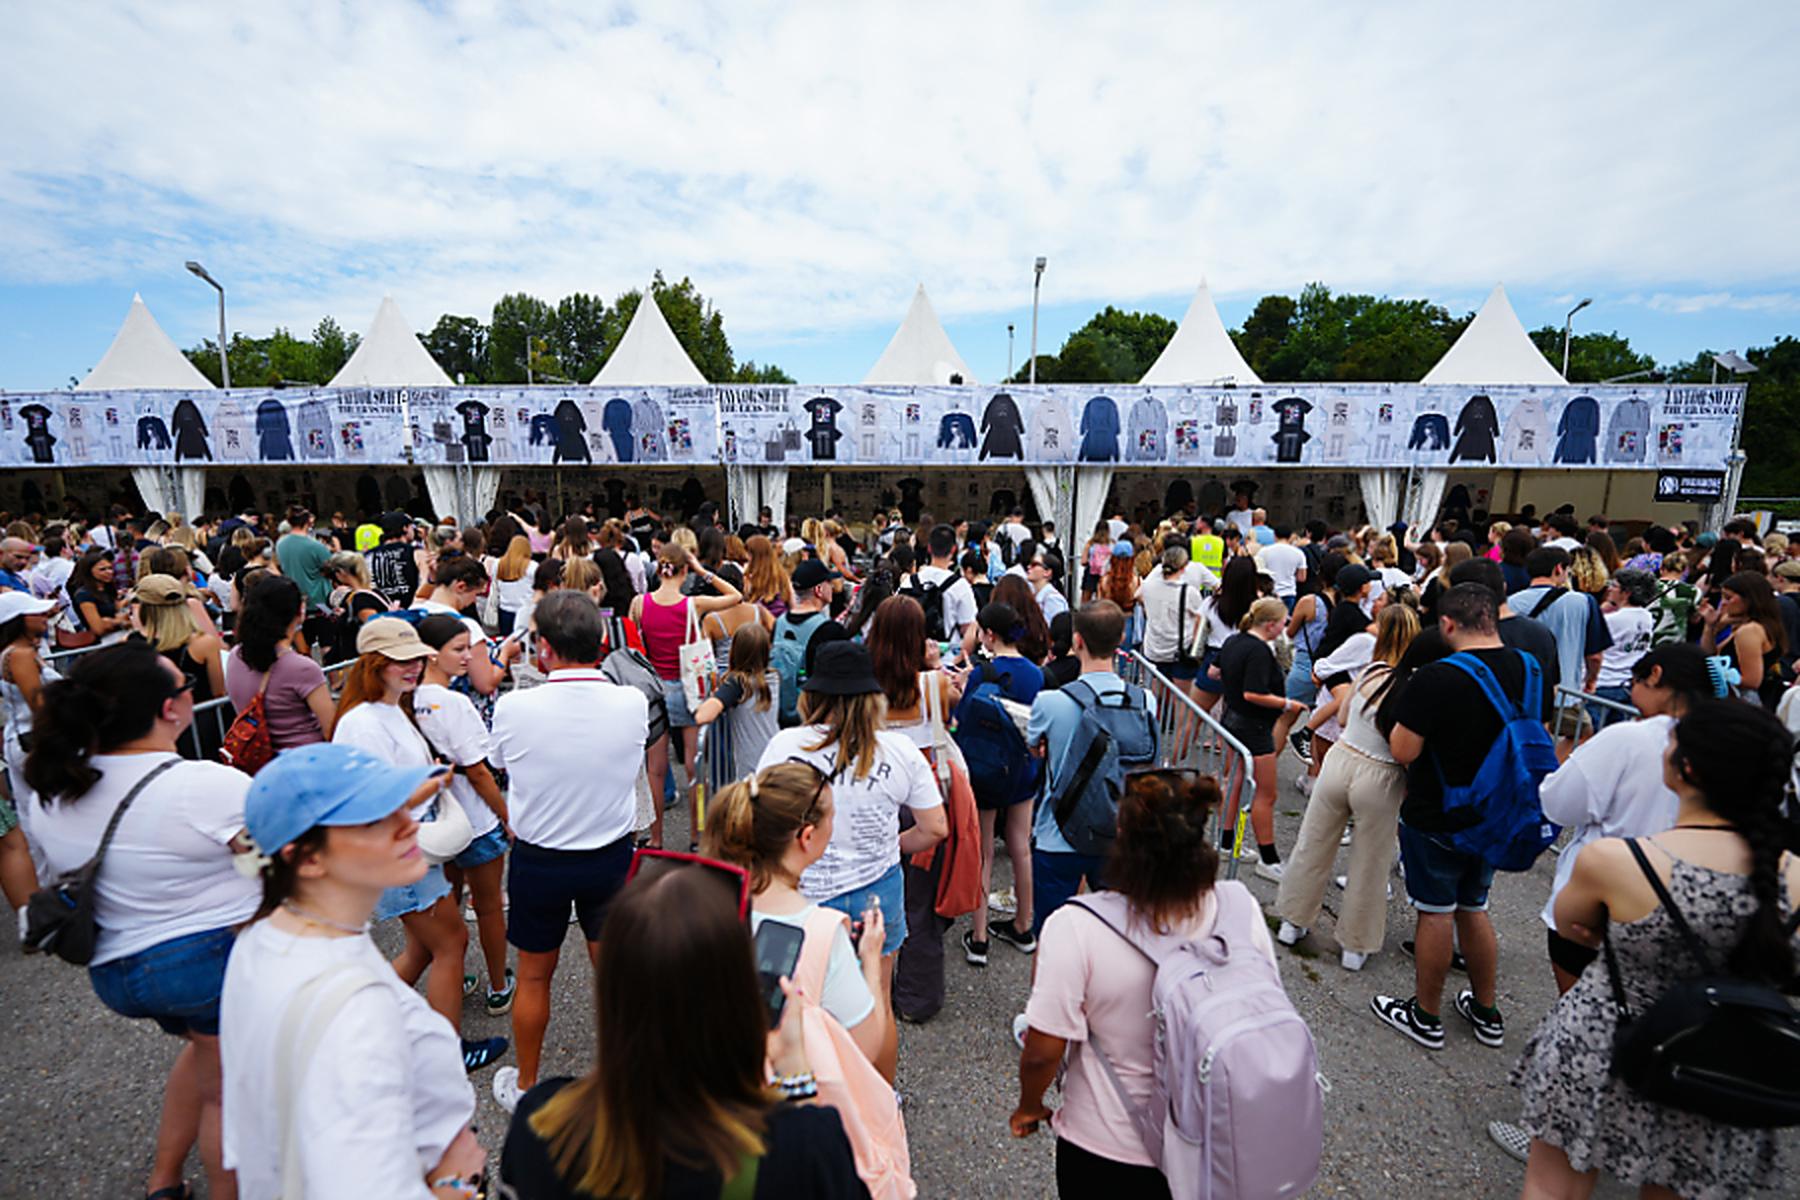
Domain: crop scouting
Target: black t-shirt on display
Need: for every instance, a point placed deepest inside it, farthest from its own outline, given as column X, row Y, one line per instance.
column 1446, row 707
column 807, row 1157
column 1247, row 664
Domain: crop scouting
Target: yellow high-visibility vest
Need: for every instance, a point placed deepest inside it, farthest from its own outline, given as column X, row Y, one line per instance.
column 1208, row 549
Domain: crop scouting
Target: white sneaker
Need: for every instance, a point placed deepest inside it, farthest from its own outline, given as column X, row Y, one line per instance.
column 1019, row 1026
column 1289, row 933
column 1343, row 882
column 506, row 1088
column 1005, row 902
column 1304, row 785
column 1352, row 960
column 1345, row 840
column 1249, row 852
column 1272, row 871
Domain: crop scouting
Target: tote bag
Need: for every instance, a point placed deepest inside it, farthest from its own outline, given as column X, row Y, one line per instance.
column 697, row 662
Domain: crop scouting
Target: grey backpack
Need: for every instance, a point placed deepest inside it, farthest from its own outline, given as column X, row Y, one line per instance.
column 1236, row 1106
column 1116, row 734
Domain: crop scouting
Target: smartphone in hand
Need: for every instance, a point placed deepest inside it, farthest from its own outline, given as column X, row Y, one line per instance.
column 777, row 954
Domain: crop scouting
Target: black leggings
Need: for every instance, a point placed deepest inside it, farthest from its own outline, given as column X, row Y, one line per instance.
column 1081, row 1175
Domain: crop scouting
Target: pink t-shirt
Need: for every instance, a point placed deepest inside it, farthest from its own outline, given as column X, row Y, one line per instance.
column 1092, row 982
column 294, row 678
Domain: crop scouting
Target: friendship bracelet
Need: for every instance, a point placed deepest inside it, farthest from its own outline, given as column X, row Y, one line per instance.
column 803, row 1086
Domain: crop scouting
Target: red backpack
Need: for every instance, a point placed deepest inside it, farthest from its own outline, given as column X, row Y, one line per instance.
column 247, row 745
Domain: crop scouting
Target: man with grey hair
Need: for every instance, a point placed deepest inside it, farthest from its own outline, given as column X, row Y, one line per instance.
column 572, row 748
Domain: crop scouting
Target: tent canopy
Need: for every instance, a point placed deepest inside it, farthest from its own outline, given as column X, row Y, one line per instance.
column 1494, row 349
column 142, row 356
column 1201, row 351
column 649, row 354
column 391, row 355
column 920, row 352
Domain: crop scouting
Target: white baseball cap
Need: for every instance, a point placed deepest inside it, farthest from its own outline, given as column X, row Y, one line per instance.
column 18, row 604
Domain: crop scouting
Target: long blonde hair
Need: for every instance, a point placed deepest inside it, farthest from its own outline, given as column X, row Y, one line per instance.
column 168, row 626
column 850, row 724
column 765, row 579
column 516, row 561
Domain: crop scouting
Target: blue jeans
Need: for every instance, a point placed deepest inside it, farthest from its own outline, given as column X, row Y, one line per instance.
column 1604, row 716
column 1055, row 878
column 890, row 889
column 174, row 983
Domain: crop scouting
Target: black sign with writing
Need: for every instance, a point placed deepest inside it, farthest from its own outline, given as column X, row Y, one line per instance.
column 1706, row 487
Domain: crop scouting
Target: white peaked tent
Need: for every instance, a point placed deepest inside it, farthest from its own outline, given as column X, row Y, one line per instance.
column 391, row 355
column 142, row 356
column 649, row 354
column 920, row 352
column 1201, row 351
column 1494, row 349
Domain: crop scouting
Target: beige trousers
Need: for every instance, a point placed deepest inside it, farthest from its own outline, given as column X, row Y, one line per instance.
column 1351, row 785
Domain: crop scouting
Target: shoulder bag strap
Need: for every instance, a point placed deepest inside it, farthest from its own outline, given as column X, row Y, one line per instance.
column 112, row 826
column 1695, row 946
column 1106, row 1063
column 303, row 1026
column 933, row 704
column 1477, row 670
column 1551, row 596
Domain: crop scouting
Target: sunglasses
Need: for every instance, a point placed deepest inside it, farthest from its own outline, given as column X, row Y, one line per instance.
column 653, row 863
column 811, row 815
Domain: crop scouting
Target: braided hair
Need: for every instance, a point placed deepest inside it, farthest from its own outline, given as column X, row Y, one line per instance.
column 1739, row 756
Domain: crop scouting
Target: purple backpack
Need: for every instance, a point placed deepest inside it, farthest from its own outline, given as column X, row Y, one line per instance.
column 1236, row 1106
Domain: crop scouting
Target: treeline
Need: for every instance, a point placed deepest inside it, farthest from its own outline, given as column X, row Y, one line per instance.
column 524, row 339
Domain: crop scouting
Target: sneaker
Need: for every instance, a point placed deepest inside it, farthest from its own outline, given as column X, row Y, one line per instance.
column 469, row 982
column 974, row 952
column 1304, row 785
column 1489, row 1031
column 1301, row 740
column 482, row 1052
column 1005, row 902
column 1019, row 1026
column 507, row 1092
column 1006, row 931
column 1289, row 933
column 1352, row 961
column 1511, row 1138
column 1457, row 961
column 1345, row 840
column 1272, row 871
column 500, row 1003
column 1403, row 1016
column 1248, row 852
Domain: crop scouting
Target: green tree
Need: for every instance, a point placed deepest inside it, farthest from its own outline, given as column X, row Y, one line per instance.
column 1771, row 433
column 460, row 346
column 1324, row 337
column 332, row 347
column 578, row 337
column 1114, row 346
column 1593, row 357
column 516, row 315
column 751, row 372
column 1265, row 331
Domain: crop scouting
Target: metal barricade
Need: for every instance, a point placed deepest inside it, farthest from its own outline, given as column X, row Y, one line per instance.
column 214, row 717
column 63, row 660
column 1190, row 737
column 1570, row 701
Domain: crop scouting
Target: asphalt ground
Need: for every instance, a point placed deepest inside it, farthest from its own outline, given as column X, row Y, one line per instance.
column 81, row 1087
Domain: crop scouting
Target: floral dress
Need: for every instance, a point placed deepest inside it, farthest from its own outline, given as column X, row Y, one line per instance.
column 1571, row 1099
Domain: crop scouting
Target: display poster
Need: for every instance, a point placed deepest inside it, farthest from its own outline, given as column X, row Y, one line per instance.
column 1322, row 426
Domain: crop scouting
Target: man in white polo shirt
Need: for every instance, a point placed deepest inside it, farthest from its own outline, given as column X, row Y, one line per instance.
column 573, row 748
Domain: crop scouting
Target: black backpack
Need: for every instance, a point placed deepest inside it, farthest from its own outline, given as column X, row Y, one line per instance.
column 1716, row 1045
column 931, row 598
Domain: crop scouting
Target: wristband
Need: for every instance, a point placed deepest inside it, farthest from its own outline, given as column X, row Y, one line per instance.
column 803, row 1086
column 467, row 1188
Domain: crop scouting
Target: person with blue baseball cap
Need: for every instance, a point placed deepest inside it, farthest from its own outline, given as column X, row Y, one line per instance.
column 339, row 1078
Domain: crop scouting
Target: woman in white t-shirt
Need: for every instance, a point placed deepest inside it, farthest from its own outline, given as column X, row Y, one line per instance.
column 874, row 773
column 775, row 823
column 380, row 1104
column 167, row 899
column 456, row 731
column 374, row 715
column 1631, row 625
column 1092, row 987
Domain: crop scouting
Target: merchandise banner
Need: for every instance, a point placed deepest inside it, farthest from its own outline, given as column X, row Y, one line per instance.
column 1348, row 426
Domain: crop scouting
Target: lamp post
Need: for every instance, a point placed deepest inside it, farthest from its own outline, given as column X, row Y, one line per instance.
column 1568, row 324
column 224, row 351
column 1009, row 352
column 1037, row 280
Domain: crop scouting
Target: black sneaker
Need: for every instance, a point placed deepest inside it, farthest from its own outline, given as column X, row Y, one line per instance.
column 1301, row 740
column 482, row 1053
column 1025, row 943
column 1488, row 1031
column 1403, row 1015
column 1457, row 961
column 500, row 1003
column 974, row 952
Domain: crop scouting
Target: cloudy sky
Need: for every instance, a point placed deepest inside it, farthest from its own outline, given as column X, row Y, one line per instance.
column 808, row 164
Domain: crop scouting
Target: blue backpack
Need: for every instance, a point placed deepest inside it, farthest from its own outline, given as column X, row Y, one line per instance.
column 1511, row 830
column 1001, row 769
column 787, row 655
column 1116, row 734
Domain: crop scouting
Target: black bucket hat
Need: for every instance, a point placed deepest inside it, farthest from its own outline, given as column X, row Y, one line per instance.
column 842, row 669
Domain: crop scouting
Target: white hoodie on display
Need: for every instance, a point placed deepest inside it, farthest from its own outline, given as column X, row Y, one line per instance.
column 1527, row 438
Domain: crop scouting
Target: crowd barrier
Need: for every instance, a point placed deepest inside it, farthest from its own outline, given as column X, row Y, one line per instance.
column 1569, row 703
column 1190, row 737
column 202, row 739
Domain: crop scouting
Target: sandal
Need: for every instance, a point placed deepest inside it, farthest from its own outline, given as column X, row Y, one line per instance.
column 178, row 1191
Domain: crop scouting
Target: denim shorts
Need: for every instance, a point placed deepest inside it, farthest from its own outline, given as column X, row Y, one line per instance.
column 1204, row 681
column 414, row 897
column 891, row 890
column 1442, row 880
column 174, row 983
column 483, row 850
column 1299, row 684
column 675, row 697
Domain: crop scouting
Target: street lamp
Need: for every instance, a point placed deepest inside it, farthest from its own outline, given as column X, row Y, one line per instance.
column 1734, row 362
column 224, row 354
column 1568, row 323
column 1009, row 352
column 1037, row 280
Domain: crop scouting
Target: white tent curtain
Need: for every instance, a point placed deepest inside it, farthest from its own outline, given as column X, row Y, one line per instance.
column 1052, row 490
column 1091, row 486
column 467, row 493
column 772, row 490
column 749, row 489
column 440, row 485
column 190, row 484
column 484, row 493
column 154, row 485
column 1428, row 494
column 1381, row 496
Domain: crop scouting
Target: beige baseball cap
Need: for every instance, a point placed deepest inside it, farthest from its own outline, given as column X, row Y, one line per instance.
column 392, row 638
column 160, row 590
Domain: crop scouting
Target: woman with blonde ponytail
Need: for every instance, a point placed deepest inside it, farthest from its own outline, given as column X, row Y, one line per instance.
column 775, row 823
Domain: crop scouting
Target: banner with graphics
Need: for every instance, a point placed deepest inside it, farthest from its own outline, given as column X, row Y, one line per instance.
column 1323, row 426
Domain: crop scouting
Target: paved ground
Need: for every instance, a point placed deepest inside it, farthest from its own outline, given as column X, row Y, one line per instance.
column 81, row 1087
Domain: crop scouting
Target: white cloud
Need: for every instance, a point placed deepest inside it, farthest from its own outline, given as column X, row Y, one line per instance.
column 808, row 163
column 1770, row 302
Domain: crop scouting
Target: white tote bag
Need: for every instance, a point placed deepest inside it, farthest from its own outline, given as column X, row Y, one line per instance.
column 698, row 665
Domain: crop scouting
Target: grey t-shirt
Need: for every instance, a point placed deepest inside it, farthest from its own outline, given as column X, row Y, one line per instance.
column 751, row 725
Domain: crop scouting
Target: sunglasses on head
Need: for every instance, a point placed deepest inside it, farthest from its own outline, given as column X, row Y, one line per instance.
column 811, row 816
column 653, row 863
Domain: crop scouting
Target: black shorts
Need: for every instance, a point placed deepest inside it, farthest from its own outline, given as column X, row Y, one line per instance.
column 1258, row 738
column 1572, row 957
column 542, row 886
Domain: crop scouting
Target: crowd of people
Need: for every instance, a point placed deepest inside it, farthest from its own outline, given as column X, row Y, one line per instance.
column 408, row 719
